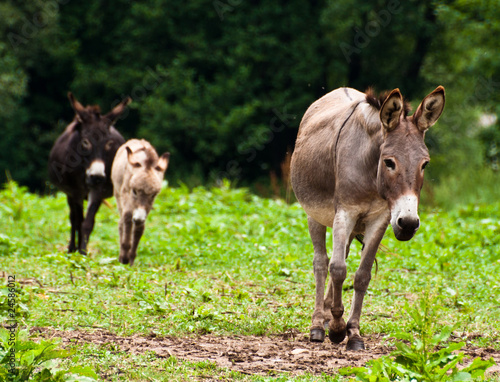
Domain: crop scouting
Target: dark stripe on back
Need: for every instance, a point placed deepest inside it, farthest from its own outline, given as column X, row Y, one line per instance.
column 347, row 94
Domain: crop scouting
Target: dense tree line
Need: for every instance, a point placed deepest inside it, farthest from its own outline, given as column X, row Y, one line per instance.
column 223, row 84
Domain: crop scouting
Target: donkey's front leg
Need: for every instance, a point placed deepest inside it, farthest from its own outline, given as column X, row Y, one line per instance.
column 320, row 264
column 343, row 225
column 125, row 227
column 137, row 232
column 76, row 219
column 373, row 235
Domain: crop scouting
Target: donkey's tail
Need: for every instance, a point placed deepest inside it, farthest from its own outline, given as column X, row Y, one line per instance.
column 381, row 248
column 108, row 204
column 360, row 238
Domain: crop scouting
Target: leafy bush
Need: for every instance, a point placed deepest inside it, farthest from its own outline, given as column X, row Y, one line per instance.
column 38, row 361
column 423, row 354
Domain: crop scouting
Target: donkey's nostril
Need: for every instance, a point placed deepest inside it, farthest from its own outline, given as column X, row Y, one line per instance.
column 97, row 179
column 408, row 224
column 400, row 222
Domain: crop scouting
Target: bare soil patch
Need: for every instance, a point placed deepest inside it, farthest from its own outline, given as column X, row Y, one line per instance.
column 291, row 352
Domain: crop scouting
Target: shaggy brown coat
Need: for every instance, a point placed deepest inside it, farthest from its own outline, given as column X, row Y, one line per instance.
column 137, row 176
column 80, row 165
column 358, row 165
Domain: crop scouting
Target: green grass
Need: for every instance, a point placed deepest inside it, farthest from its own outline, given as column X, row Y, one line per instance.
column 476, row 184
column 226, row 262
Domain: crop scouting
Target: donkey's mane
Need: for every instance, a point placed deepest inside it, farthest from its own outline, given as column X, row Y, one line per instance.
column 377, row 100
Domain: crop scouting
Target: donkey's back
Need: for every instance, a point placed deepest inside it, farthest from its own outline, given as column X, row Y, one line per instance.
column 314, row 160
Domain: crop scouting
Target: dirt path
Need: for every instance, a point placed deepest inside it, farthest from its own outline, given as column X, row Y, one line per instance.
column 291, row 353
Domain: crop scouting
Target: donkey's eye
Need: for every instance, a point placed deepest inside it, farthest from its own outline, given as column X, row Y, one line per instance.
column 109, row 145
column 86, row 145
column 390, row 164
column 424, row 165
column 134, row 192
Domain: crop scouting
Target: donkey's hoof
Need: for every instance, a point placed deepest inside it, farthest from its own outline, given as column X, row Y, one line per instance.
column 317, row 335
column 355, row 344
column 337, row 337
column 337, row 331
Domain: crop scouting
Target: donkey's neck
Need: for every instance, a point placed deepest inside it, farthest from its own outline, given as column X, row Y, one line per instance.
column 369, row 121
column 359, row 151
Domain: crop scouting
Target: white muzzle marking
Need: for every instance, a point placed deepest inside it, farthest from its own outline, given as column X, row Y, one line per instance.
column 96, row 169
column 139, row 215
column 406, row 207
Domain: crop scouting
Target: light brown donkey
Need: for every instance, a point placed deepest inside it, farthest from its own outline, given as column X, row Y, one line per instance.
column 137, row 174
column 358, row 165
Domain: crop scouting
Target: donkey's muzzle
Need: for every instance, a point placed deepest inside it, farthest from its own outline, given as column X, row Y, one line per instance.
column 406, row 227
column 404, row 217
column 96, row 173
column 139, row 216
column 95, row 180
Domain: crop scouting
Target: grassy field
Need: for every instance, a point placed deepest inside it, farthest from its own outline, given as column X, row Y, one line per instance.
column 225, row 262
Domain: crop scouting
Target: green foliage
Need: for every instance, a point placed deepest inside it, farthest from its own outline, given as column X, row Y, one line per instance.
column 225, row 262
column 14, row 196
column 469, row 68
column 35, row 51
column 37, row 361
column 424, row 353
column 22, row 299
column 477, row 186
column 223, row 85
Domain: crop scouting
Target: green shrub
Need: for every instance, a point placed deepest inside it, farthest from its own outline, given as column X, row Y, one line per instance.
column 423, row 354
column 37, row 361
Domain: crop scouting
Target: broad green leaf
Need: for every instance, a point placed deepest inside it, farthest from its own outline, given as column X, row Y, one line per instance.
column 461, row 376
column 85, row 371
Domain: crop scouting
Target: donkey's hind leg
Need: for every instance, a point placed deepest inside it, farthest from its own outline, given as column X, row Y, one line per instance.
column 320, row 263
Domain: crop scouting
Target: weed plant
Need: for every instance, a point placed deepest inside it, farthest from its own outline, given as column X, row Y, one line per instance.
column 423, row 352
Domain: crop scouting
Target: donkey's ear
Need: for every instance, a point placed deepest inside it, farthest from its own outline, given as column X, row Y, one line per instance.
column 391, row 110
column 430, row 109
column 77, row 107
column 131, row 159
column 117, row 111
column 163, row 162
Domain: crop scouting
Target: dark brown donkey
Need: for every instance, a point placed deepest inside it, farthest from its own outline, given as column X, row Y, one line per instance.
column 80, row 165
column 358, row 165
